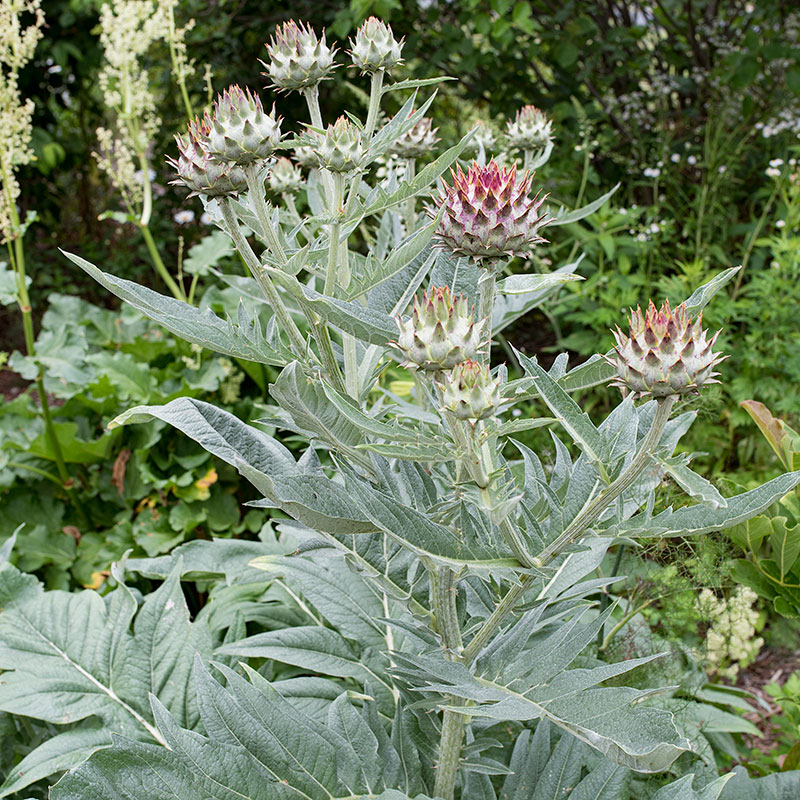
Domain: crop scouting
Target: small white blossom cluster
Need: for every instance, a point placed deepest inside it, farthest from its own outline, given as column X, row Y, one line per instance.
column 17, row 44
column 774, row 168
column 128, row 29
column 731, row 642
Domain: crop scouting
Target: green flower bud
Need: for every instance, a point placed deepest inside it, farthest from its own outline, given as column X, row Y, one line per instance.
column 417, row 142
column 470, row 392
column 530, row 130
column 239, row 130
column 375, row 47
column 200, row 172
column 667, row 353
column 298, row 59
column 441, row 332
column 341, row 149
column 284, row 176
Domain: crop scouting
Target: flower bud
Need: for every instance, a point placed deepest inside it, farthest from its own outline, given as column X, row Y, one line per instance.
column 488, row 213
column 470, row 392
column 417, row 142
column 285, row 177
column 667, row 353
column 375, row 47
column 200, row 172
column 341, row 148
column 441, row 332
column 484, row 137
column 306, row 156
column 298, row 59
column 239, row 130
column 530, row 130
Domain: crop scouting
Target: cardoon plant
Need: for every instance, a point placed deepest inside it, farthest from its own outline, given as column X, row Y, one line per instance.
column 447, row 570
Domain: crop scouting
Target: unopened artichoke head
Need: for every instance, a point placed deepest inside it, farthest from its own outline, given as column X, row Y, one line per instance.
column 441, row 332
column 666, row 353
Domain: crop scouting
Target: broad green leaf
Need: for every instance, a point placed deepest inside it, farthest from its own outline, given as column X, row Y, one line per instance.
column 312, row 648
column 337, row 592
column 566, row 410
column 62, row 752
column 693, row 484
column 563, row 217
column 312, row 499
column 426, row 538
column 526, row 283
column 683, row 789
column 509, row 307
column 352, row 317
column 242, row 339
column 207, row 253
column 703, row 295
column 301, row 395
column 702, row 519
column 784, row 544
column 67, row 657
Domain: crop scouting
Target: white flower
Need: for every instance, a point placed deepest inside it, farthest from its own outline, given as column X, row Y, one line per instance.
column 773, row 172
column 722, row 169
column 776, row 162
column 781, row 223
column 623, row 211
column 206, row 218
column 749, row 8
column 516, row 412
column 138, row 176
column 184, row 217
column 691, row 160
column 654, row 227
column 651, row 172
column 675, row 158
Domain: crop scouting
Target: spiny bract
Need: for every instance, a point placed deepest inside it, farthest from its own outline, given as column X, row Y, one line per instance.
column 375, row 47
column 341, row 148
column 441, row 332
column 470, row 392
column 488, row 213
column 298, row 59
column 530, row 130
column 239, row 130
column 416, row 142
column 199, row 171
column 666, row 353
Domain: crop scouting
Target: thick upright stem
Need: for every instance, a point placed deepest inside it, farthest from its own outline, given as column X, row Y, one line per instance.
column 255, row 189
column 312, row 101
column 592, row 512
column 411, row 202
column 267, row 286
column 487, row 285
column 578, row 526
column 444, row 609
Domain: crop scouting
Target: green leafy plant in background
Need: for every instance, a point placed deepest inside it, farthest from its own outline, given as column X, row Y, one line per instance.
column 771, row 541
column 443, row 574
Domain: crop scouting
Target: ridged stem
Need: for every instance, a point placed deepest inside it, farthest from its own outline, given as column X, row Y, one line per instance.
column 578, row 526
column 255, row 189
column 267, row 286
column 452, row 734
column 312, row 101
column 592, row 512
